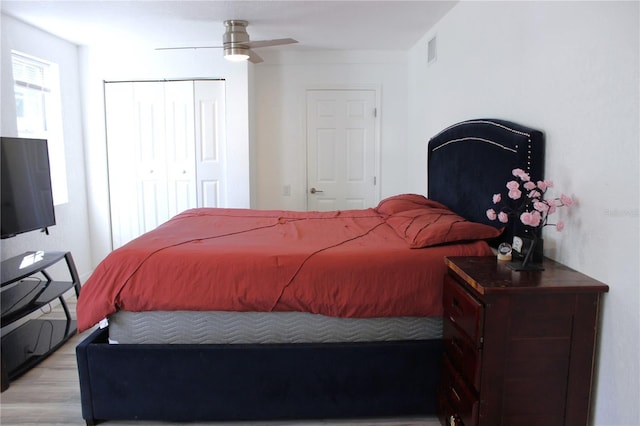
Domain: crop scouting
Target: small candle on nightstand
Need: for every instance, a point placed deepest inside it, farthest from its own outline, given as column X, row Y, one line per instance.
column 504, row 252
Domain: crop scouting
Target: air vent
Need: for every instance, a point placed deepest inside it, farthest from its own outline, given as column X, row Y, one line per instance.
column 432, row 54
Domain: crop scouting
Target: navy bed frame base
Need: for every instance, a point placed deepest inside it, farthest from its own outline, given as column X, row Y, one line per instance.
column 251, row 382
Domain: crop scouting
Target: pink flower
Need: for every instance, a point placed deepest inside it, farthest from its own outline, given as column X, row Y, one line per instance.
column 517, row 172
column 514, row 194
column 521, row 174
column 534, row 209
column 525, row 218
column 536, row 218
column 531, row 218
column 512, row 184
column 534, row 194
column 540, row 206
column 566, row 200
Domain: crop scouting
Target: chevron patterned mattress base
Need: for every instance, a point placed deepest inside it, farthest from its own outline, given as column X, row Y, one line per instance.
column 199, row 327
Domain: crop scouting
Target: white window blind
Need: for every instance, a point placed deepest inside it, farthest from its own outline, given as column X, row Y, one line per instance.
column 39, row 113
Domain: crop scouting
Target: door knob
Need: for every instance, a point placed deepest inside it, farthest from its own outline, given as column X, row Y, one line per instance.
column 313, row 190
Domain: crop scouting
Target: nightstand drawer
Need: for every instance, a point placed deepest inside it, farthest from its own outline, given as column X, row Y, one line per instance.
column 463, row 309
column 458, row 404
column 462, row 354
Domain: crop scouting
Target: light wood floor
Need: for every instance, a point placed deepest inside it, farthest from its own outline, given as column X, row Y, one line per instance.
column 49, row 394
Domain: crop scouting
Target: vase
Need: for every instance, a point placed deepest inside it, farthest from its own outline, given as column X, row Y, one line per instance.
column 531, row 258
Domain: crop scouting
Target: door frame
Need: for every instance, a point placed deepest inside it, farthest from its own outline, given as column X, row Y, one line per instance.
column 376, row 88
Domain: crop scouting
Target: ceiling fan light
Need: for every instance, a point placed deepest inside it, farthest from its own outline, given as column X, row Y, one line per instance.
column 236, row 54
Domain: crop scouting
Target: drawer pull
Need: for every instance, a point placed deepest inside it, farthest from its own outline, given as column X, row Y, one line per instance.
column 455, row 394
column 455, row 304
column 456, row 346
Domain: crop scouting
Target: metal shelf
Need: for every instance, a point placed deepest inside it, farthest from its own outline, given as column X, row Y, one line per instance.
column 26, row 287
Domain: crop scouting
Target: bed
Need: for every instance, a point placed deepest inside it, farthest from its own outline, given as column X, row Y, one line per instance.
column 234, row 314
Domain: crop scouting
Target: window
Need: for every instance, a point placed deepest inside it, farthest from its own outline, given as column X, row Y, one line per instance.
column 39, row 113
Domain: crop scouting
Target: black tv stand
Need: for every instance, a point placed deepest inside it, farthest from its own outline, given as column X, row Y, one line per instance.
column 27, row 287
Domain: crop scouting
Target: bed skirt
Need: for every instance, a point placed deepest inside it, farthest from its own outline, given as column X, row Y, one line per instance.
column 256, row 381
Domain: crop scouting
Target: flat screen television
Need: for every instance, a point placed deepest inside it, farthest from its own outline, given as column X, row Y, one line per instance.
column 27, row 199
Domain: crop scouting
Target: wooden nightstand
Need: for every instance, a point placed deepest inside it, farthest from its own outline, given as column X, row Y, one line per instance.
column 519, row 346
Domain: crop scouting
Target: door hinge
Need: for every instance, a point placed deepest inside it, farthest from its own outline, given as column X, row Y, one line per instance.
column 375, row 180
column 375, row 112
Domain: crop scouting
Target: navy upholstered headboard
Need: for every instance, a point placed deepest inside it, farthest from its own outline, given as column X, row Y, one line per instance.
column 472, row 160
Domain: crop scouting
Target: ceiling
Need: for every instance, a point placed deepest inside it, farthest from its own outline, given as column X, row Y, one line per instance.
column 381, row 25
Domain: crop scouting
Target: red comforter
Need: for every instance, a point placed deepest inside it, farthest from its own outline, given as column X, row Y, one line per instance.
column 344, row 263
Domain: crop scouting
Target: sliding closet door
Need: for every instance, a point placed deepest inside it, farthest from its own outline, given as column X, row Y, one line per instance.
column 150, row 157
column 136, row 152
column 211, row 139
column 123, row 146
column 166, row 152
column 180, row 147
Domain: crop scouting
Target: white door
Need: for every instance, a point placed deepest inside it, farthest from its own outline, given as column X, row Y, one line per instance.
column 122, row 154
column 179, row 147
column 166, row 152
column 341, row 149
column 210, row 128
column 150, row 155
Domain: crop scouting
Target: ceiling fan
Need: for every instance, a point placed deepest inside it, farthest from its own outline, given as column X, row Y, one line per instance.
column 236, row 43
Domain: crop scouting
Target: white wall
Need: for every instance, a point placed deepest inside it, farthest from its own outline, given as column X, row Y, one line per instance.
column 280, row 116
column 570, row 69
column 71, row 230
column 101, row 64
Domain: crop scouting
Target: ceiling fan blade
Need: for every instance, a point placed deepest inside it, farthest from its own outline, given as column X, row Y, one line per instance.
column 267, row 43
column 254, row 57
column 188, row 47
